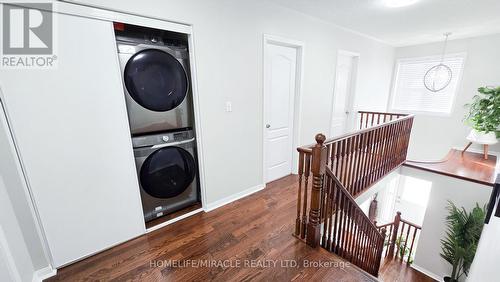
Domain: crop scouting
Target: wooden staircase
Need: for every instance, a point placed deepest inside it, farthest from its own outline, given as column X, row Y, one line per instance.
column 333, row 172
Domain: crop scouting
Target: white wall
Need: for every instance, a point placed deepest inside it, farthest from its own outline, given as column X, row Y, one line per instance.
column 433, row 136
column 463, row 194
column 228, row 45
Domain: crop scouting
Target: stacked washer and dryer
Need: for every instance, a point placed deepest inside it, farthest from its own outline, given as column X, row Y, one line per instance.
column 156, row 78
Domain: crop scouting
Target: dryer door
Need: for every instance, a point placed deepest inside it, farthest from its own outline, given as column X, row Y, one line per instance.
column 155, row 80
column 167, row 172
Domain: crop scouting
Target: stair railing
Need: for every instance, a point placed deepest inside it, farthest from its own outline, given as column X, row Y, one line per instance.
column 346, row 230
column 367, row 119
column 357, row 160
column 401, row 238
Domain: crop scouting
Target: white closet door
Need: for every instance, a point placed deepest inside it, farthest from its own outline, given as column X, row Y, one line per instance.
column 71, row 128
column 343, row 96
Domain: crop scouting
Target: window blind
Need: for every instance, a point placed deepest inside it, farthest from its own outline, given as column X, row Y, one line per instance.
column 410, row 93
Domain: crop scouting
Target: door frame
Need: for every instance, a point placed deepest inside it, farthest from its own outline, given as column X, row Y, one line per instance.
column 352, row 88
column 299, row 74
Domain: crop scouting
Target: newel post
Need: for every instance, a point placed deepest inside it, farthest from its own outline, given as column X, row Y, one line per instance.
column 397, row 220
column 380, row 250
column 318, row 164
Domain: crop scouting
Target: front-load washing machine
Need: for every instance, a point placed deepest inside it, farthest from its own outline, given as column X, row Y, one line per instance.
column 156, row 79
column 167, row 170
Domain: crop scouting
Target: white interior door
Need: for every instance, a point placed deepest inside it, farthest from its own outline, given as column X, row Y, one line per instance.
column 343, row 94
column 280, row 81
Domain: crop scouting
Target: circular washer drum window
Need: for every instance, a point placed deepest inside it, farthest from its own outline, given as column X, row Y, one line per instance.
column 155, row 80
column 167, row 172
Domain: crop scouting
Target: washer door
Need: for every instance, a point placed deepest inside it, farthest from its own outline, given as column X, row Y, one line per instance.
column 155, row 80
column 167, row 172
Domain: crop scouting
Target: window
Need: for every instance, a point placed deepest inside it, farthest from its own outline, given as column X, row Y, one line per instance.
column 410, row 94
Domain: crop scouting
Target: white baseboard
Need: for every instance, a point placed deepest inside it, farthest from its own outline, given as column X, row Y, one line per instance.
column 234, row 197
column 426, row 272
column 44, row 273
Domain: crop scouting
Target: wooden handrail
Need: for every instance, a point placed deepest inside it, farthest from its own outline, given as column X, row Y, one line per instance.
column 383, row 225
column 355, row 162
column 411, row 224
column 308, row 148
column 349, row 197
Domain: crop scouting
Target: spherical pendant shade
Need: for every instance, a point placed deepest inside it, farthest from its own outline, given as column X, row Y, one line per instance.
column 438, row 78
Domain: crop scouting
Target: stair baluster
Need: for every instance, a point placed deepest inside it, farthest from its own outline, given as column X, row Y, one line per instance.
column 343, row 168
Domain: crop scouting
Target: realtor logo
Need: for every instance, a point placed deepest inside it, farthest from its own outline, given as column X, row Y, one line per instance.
column 27, row 35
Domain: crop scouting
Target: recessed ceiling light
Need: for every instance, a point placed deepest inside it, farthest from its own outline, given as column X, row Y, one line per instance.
column 399, row 3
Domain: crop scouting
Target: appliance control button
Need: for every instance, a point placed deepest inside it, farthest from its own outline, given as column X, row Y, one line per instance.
column 165, row 138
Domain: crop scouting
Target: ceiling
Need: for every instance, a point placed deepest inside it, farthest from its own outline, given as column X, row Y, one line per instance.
column 423, row 22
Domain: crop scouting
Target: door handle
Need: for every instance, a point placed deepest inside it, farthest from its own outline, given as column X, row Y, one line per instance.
column 268, row 125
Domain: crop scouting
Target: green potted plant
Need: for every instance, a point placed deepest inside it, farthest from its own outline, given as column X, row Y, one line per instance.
column 484, row 116
column 463, row 230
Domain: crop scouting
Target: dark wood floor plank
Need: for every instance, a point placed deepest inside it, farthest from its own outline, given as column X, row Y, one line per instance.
column 394, row 271
column 257, row 228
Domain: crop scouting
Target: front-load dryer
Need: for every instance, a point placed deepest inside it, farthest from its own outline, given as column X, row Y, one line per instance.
column 167, row 171
column 156, row 81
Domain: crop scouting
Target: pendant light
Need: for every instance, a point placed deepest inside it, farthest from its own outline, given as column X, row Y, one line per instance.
column 439, row 76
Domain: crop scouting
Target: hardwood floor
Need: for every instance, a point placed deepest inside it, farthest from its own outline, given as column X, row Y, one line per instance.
column 395, row 271
column 247, row 240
